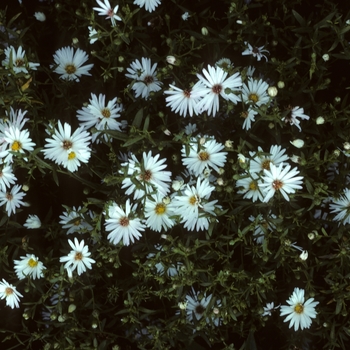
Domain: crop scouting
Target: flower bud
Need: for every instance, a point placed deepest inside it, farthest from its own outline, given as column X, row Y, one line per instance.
column 229, row 144
column 71, row 308
column 304, row 255
column 171, row 59
column 204, row 31
column 320, row 120
column 272, row 91
column 40, row 16
column 325, row 57
column 280, row 84
column 298, row 143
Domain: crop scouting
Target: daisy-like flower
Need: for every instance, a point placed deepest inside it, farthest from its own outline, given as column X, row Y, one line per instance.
column 144, row 76
column 270, row 307
column 196, row 307
column 249, row 117
column 254, row 92
column 261, row 162
column 70, row 64
column 224, row 63
column 18, row 141
column 16, row 120
column 149, row 5
column 123, row 224
column 203, row 155
column 295, row 113
column 280, row 179
column 216, row 85
column 183, row 101
column 78, row 258
column 74, row 221
column 249, row 185
column 148, row 174
column 10, row 293
column 341, row 206
column 17, row 61
column 255, row 51
column 190, row 129
column 30, row 266
column 101, row 116
column 12, row 199
column 7, row 178
column 298, row 310
column 106, row 9
column 193, row 206
column 68, row 149
column 158, row 211
column 32, row 222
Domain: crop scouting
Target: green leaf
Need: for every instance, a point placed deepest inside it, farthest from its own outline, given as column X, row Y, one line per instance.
column 138, row 119
column 146, row 124
column 133, row 140
column 299, row 18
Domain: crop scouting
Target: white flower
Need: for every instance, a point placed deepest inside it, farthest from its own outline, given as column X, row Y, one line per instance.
column 68, row 149
column 18, row 141
column 92, row 34
column 183, row 101
column 10, row 293
column 105, row 9
column 70, row 64
column 250, row 184
column 295, row 113
column 190, row 128
column 216, row 84
column 299, row 311
column 7, row 178
column 101, row 116
column 263, row 161
column 171, row 59
column 341, row 206
column 78, row 258
column 255, row 92
column 280, row 179
column 32, row 222
column 249, row 117
column 150, row 5
column 185, row 16
column 144, row 76
column 203, row 156
column 298, row 143
column 17, row 60
column 40, row 16
column 304, row 255
column 158, row 213
column 149, row 174
column 263, row 225
column 30, row 266
column 325, row 57
column 224, row 63
column 255, row 51
column 193, row 205
column 74, row 221
column 123, row 224
column 12, row 199
column 268, row 308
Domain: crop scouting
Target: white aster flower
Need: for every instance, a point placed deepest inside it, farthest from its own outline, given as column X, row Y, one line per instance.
column 183, row 101
column 105, row 9
column 123, row 224
column 249, row 185
column 262, row 226
column 193, row 206
column 269, row 308
column 144, row 76
column 101, row 116
column 255, row 51
column 158, row 212
column 16, row 120
column 7, row 178
column 280, row 179
column 149, row 5
column 190, row 129
column 299, row 311
column 341, row 206
column 92, row 34
column 70, row 64
column 149, row 174
column 10, row 293
column 249, row 117
column 12, row 199
column 40, row 16
column 254, row 92
column 17, row 60
column 203, row 156
column 216, row 83
column 260, row 161
column 78, row 258
column 29, row 266
column 295, row 113
column 68, row 149
column 32, row 222
column 224, row 63
column 74, row 221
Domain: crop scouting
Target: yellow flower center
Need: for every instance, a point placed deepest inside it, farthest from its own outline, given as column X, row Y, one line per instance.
column 106, row 112
column 71, row 155
column 203, row 156
column 70, row 69
column 32, row 262
column 76, row 222
column 160, row 208
column 253, row 186
column 16, row 146
column 193, row 200
column 78, row 256
column 8, row 291
column 299, row 308
column 266, row 164
column 254, row 98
